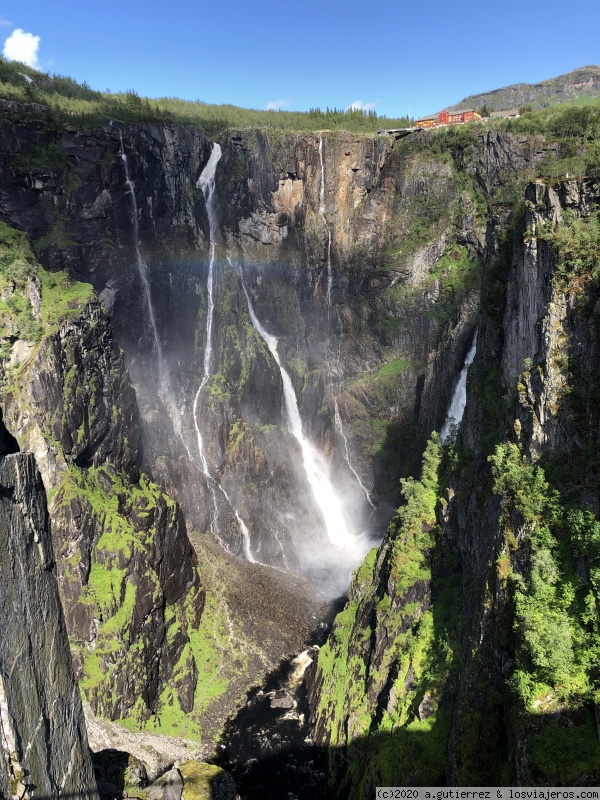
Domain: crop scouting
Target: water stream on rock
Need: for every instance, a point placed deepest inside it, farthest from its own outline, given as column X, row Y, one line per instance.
column 143, row 270
column 314, row 463
column 165, row 390
column 459, row 398
column 337, row 417
column 206, row 182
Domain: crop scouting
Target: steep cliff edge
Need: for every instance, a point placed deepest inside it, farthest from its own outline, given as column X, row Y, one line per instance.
column 467, row 653
column 45, row 739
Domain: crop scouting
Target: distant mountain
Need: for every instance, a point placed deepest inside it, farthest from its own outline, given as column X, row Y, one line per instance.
column 582, row 82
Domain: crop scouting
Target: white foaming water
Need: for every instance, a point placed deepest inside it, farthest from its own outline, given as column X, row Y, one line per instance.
column 206, row 182
column 142, row 268
column 459, row 398
column 300, row 664
column 315, row 466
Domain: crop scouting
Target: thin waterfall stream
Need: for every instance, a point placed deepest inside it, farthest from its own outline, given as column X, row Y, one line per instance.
column 165, row 389
column 459, row 398
column 206, row 182
column 337, row 417
column 143, row 269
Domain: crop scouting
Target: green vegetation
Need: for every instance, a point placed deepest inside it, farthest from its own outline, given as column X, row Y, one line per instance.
column 576, row 242
column 368, row 399
column 17, row 275
column 555, row 619
column 384, row 706
column 421, row 220
column 22, row 280
column 62, row 298
column 576, row 128
column 200, row 780
column 209, row 656
column 457, row 273
column 126, row 515
column 69, row 103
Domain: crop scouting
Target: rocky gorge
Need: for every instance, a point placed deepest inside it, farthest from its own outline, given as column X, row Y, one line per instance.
column 207, row 345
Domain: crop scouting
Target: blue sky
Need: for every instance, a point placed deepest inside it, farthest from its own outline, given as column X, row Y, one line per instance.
column 391, row 56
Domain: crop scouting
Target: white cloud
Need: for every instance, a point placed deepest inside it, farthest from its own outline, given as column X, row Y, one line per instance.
column 359, row 105
column 275, row 105
column 22, row 46
column 5, row 23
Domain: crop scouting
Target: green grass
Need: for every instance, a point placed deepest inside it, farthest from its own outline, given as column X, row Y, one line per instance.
column 392, row 369
column 70, row 103
column 62, row 298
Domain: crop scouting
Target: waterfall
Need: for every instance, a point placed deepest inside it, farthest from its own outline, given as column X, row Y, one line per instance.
column 314, row 463
column 143, row 269
column 337, row 418
column 206, row 182
column 340, row 429
column 459, row 398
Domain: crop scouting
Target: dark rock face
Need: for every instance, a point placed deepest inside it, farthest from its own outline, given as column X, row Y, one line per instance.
column 81, row 399
column 35, row 664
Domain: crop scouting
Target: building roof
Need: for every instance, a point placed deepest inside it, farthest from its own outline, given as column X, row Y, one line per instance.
column 513, row 112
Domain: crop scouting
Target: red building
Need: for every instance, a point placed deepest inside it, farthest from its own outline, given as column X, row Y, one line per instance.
column 448, row 118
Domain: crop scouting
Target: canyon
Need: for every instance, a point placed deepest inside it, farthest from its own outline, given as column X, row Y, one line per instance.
column 226, row 359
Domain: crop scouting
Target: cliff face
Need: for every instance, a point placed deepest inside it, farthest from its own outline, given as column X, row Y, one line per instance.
column 46, row 728
column 126, row 567
column 361, row 255
column 464, row 655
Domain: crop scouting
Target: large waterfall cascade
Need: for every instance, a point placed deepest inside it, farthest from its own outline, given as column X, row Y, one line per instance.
column 459, row 398
column 206, row 182
column 337, row 417
column 315, row 466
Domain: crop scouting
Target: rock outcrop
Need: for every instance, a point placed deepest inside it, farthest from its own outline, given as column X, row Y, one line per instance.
column 581, row 82
column 47, row 726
